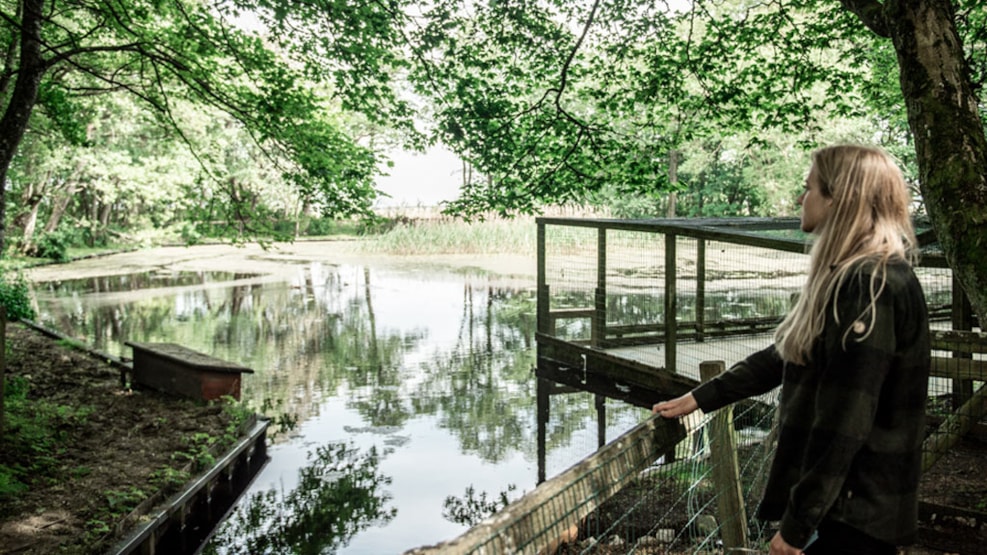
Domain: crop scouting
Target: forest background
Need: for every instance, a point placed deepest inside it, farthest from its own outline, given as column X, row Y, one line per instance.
column 136, row 122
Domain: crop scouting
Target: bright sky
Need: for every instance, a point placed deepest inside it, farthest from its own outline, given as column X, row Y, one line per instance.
column 421, row 179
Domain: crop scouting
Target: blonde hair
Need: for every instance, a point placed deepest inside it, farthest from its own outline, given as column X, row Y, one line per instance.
column 868, row 224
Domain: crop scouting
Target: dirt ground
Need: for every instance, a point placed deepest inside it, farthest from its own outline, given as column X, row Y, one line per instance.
column 107, row 461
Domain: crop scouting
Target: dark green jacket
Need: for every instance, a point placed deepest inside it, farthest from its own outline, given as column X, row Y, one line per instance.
column 851, row 422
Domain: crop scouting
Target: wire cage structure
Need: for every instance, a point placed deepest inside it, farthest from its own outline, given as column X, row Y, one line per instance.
column 638, row 311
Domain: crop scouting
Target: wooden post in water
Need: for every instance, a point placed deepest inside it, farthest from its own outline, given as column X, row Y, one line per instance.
column 542, row 317
column 599, row 323
column 730, row 509
column 542, row 410
column 700, row 289
column 671, row 306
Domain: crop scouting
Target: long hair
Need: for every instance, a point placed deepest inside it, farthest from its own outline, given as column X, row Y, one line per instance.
column 868, row 224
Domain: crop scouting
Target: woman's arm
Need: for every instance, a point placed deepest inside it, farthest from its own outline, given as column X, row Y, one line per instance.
column 759, row 373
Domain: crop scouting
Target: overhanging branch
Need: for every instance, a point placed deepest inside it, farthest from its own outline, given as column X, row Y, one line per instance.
column 871, row 14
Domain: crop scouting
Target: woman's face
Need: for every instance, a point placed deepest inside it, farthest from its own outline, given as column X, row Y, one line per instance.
column 815, row 206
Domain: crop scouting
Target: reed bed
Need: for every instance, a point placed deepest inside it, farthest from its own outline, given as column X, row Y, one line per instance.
column 449, row 236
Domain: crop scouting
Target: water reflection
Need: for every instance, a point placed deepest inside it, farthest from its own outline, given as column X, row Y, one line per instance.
column 142, row 280
column 339, row 494
column 429, row 370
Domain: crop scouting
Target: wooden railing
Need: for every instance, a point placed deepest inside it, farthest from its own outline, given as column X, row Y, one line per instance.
column 670, row 330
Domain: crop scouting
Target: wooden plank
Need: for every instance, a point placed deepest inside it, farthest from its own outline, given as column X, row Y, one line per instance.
column 729, row 230
column 601, row 384
column 586, row 361
column 571, row 313
column 965, row 341
column 954, row 427
column 556, row 507
column 959, row 369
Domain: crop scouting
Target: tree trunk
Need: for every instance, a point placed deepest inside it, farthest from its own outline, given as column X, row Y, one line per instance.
column 30, row 221
column 23, row 98
column 949, row 136
column 673, row 180
column 58, row 208
column 27, row 219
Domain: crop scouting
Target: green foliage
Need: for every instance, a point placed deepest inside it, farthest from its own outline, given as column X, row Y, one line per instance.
column 339, row 493
column 323, row 227
column 33, row 429
column 199, row 451
column 10, row 486
column 169, row 479
column 473, row 508
column 53, row 245
column 15, row 296
column 121, row 502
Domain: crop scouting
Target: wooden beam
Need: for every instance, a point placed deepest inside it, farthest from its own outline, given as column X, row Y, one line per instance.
column 959, row 369
column 953, row 428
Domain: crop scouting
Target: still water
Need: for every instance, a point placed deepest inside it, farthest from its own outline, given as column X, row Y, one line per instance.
column 398, row 393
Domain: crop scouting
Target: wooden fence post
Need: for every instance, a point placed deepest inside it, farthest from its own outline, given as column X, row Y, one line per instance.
column 671, row 304
column 730, row 510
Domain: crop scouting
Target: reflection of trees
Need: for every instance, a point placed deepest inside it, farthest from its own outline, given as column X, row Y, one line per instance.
column 338, row 496
column 308, row 337
column 303, row 340
column 374, row 365
column 483, row 389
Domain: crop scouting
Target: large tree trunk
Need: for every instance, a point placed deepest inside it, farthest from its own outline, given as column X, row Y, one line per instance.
column 27, row 219
column 948, row 132
column 23, row 98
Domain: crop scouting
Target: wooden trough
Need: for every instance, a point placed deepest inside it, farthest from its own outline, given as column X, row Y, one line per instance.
column 172, row 368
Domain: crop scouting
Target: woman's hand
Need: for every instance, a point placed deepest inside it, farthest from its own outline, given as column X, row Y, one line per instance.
column 780, row 547
column 680, row 406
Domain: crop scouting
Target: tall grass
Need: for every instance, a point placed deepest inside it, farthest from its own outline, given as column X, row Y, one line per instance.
column 449, row 236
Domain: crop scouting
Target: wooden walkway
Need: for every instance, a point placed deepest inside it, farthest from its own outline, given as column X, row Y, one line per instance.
column 689, row 354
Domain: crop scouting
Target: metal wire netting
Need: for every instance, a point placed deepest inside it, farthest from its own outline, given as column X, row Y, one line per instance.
column 670, row 297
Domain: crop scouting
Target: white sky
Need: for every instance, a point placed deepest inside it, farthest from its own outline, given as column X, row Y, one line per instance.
column 421, row 179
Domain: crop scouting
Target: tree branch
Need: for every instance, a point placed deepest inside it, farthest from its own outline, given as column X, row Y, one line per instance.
column 871, row 14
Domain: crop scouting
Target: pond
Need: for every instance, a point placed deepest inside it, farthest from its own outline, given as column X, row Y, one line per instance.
column 401, row 392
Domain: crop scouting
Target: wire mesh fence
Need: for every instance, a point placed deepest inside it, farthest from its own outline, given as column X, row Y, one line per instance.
column 666, row 296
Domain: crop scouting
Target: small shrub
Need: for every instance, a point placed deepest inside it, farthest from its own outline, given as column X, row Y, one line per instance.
column 190, row 234
column 123, row 501
column 53, row 245
column 169, row 479
column 15, row 297
column 10, row 486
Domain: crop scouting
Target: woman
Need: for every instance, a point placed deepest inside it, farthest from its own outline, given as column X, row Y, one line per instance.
column 852, row 358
